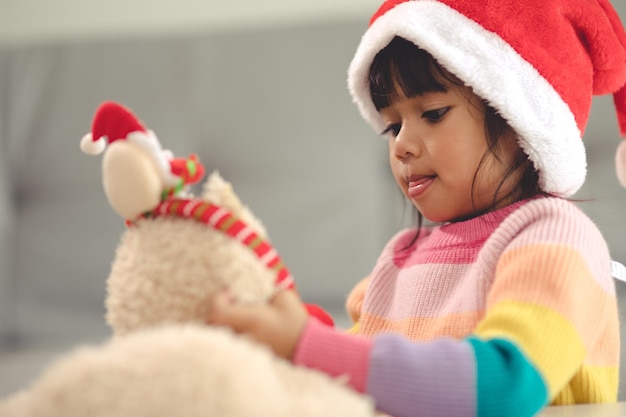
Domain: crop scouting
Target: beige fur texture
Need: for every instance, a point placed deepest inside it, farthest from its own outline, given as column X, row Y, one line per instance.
column 182, row 370
column 163, row 361
column 167, row 270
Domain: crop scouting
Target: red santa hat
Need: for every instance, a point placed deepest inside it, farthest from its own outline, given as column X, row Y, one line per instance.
column 112, row 122
column 537, row 62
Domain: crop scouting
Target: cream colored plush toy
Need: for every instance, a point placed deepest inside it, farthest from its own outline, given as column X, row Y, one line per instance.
column 177, row 251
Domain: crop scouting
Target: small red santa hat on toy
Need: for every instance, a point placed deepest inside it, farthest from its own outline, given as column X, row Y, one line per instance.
column 137, row 171
column 537, row 62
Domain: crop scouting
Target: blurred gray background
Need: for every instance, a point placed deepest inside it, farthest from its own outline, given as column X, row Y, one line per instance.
column 258, row 90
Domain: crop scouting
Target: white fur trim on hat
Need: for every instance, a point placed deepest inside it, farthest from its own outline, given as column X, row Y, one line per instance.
column 495, row 71
column 149, row 142
column 91, row 147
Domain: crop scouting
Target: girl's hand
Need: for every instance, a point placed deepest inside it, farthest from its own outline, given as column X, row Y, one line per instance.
column 277, row 324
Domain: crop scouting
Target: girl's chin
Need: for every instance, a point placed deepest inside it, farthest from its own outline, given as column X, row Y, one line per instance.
column 435, row 215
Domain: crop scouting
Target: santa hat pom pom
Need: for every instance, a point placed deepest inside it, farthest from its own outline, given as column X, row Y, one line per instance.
column 620, row 163
column 90, row 146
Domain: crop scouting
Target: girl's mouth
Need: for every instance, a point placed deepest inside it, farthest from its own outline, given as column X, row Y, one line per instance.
column 417, row 185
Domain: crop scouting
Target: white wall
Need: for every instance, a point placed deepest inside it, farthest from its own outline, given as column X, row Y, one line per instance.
column 34, row 21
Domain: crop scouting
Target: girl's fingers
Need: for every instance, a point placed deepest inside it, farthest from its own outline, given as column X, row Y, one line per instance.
column 285, row 300
column 225, row 312
column 277, row 324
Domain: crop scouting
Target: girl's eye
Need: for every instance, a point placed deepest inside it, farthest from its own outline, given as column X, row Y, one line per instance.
column 392, row 130
column 434, row 116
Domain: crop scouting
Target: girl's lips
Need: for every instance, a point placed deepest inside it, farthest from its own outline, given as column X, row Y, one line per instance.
column 418, row 185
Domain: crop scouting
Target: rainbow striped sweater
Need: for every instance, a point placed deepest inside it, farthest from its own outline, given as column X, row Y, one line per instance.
column 499, row 315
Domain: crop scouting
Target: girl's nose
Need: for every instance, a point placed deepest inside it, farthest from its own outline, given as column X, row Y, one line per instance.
column 406, row 144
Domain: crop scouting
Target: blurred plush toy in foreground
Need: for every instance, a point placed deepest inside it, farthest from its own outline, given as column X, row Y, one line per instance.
column 175, row 255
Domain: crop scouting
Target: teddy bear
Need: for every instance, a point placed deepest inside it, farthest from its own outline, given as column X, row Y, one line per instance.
column 176, row 253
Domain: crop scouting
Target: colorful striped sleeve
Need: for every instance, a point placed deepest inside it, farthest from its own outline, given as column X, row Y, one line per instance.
column 448, row 377
column 437, row 379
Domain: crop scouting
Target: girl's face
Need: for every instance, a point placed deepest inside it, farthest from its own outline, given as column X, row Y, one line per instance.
column 436, row 144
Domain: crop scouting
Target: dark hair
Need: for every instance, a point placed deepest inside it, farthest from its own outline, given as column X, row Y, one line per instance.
column 402, row 68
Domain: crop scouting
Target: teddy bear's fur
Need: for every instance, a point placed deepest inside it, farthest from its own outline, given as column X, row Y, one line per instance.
column 182, row 370
column 163, row 360
column 167, row 269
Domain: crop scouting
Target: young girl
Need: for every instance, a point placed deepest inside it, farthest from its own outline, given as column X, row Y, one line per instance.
column 508, row 304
